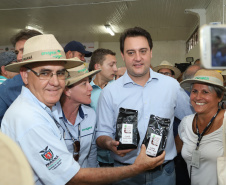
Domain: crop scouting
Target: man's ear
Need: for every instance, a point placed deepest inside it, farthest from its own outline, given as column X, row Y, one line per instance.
column 3, row 71
column 97, row 66
column 69, row 55
column 122, row 56
column 24, row 75
column 67, row 91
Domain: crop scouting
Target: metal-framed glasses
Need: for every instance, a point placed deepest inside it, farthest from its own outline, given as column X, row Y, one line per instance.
column 47, row 74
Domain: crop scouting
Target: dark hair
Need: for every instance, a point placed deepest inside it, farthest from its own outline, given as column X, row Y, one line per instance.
column 98, row 57
column 134, row 32
column 24, row 35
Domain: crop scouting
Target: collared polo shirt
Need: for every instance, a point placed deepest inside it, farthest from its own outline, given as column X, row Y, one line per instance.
column 161, row 96
column 86, row 120
column 30, row 124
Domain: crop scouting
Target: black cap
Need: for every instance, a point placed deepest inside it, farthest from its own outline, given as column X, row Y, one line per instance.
column 77, row 46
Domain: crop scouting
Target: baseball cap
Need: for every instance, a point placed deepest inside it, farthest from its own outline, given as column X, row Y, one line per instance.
column 77, row 46
column 7, row 57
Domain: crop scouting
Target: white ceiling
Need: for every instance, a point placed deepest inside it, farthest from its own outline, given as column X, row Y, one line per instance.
column 84, row 20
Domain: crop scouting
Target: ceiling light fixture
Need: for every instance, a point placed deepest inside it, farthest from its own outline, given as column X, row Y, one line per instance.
column 108, row 28
column 33, row 28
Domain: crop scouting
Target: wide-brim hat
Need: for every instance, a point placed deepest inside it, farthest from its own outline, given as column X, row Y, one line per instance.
column 79, row 73
column 204, row 76
column 43, row 48
column 167, row 65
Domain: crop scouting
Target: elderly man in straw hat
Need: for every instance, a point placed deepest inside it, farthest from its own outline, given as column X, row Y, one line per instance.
column 29, row 121
column 166, row 68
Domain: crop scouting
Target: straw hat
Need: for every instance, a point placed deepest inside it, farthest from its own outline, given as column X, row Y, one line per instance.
column 205, row 76
column 14, row 168
column 167, row 65
column 43, row 48
column 79, row 73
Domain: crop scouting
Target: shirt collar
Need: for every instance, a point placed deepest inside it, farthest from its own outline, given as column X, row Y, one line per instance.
column 127, row 79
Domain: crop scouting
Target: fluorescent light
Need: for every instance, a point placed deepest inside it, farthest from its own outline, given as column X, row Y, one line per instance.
column 33, row 28
column 108, row 27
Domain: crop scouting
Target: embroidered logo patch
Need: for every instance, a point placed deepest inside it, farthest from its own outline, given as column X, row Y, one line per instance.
column 47, row 154
column 53, row 161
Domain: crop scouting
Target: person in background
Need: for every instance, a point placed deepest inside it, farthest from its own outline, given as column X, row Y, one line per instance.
column 104, row 60
column 77, row 122
column 6, row 58
column 30, row 123
column 140, row 89
column 200, row 134
column 76, row 49
column 120, row 72
column 166, row 68
column 182, row 177
column 197, row 62
column 11, row 88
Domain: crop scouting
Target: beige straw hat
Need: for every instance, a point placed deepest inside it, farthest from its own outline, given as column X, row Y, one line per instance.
column 204, row 76
column 165, row 64
column 43, row 48
column 14, row 168
column 79, row 73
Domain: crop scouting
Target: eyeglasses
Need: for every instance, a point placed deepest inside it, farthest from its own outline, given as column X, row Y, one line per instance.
column 166, row 73
column 76, row 146
column 47, row 75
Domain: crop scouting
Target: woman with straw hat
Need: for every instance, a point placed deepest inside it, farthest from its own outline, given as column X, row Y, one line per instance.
column 201, row 133
column 77, row 121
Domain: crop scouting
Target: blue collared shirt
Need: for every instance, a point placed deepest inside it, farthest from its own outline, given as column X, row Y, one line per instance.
column 103, row 156
column 30, row 124
column 161, row 96
column 95, row 95
column 9, row 91
column 86, row 118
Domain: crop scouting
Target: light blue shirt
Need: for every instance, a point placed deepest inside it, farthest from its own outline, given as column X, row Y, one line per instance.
column 95, row 95
column 86, row 118
column 103, row 156
column 30, row 124
column 161, row 96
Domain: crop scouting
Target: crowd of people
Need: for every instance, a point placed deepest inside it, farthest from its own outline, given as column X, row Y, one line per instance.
column 64, row 116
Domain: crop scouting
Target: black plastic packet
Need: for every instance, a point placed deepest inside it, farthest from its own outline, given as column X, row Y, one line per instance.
column 156, row 135
column 126, row 129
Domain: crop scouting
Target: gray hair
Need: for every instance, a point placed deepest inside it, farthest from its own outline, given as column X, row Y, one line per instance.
column 218, row 90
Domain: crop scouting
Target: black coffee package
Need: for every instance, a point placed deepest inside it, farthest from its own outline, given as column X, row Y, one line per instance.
column 126, row 129
column 156, row 135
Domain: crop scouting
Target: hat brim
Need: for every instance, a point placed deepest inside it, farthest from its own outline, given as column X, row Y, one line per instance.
column 74, row 79
column 88, row 53
column 186, row 84
column 69, row 63
column 174, row 69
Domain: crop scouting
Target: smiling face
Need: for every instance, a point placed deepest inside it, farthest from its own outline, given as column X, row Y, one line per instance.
column 203, row 99
column 46, row 91
column 80, row 93
column 137, row 56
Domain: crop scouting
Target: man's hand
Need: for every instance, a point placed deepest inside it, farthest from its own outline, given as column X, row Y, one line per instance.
column 143, row 162
column 112, row 145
